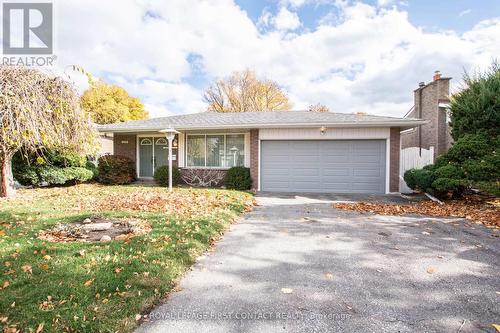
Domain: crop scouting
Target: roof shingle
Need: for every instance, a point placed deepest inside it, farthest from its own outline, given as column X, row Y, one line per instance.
column 215, row 120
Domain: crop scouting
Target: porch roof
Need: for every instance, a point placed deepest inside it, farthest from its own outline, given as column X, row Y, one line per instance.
column 247, row 120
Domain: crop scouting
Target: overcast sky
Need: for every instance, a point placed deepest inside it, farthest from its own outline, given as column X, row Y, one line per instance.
column 349, row 55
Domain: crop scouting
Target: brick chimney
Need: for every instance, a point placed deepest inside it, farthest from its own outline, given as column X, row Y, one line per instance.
column 430, row 103
column 437, row 76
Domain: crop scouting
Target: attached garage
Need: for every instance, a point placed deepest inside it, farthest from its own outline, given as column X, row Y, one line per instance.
column 325, row 166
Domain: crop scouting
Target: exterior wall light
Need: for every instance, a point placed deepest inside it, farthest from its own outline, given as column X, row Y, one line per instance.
column 322, row 130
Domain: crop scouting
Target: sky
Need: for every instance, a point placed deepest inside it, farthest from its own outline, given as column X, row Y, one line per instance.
column 352, row 56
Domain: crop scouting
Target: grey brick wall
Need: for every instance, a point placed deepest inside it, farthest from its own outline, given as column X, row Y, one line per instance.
column 394, row 159
column 125, row 145
column 436, row 133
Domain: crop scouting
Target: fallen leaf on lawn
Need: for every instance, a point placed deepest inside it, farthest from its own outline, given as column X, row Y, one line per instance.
column 138, row 317
column 5, row 284
column 118, row 270
column 47, row 257
column 88, row 282
column 13, row 305
column 4, row 319
column 27, row 269
column 82, row 253
column 2, row 233
column 329, row 276
column 39, row 328
column 7, row 264
column 496, row 326
column 431, row 270
column 286, row 290
column 44, row 267
column 105, row 300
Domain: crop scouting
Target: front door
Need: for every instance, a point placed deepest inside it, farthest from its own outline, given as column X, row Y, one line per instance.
column 153, row 153
column 161, row 152
column 146, row 157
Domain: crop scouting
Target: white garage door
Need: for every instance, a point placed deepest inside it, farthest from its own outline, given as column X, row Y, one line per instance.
column 326, row 166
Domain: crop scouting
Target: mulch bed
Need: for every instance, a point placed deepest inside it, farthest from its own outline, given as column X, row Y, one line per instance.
column 478, row 211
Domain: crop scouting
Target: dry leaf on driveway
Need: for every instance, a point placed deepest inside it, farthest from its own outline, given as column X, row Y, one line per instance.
column 286, row 290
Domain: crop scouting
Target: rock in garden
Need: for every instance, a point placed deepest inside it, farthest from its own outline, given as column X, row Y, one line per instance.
column 98, row 226
column 87, row 221
column 105, row 238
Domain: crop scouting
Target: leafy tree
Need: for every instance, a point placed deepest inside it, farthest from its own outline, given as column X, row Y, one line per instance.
column 318, row 108
column 38, row 110
column 477, row 106
column 244, row 92
column 108, row 104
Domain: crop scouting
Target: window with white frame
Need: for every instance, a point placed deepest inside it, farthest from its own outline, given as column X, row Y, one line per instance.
column 215, row 150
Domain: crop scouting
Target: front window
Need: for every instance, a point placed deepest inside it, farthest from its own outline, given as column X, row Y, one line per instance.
column 215, row 151
column 196, row 150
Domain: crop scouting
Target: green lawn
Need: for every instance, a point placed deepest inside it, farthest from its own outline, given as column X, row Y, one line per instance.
column 104, row 287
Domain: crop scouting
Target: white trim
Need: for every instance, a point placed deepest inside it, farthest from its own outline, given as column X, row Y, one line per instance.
column 387, row 165
column 245, row 148
column 258, row 163
column 247, row 151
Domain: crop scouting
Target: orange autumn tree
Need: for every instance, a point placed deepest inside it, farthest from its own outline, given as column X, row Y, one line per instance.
column 244, row 92
column 39, row 111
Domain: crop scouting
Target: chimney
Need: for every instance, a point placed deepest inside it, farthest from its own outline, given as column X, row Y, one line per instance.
column 421, row 84
column 437, row 76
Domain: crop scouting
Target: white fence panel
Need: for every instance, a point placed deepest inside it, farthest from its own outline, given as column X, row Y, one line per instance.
column 411, row 158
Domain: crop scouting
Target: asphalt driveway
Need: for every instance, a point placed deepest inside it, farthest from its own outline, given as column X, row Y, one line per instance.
column 295, row 264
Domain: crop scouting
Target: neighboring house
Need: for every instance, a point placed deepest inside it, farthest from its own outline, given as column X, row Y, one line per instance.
column 286, row 151
column 431, row 104
column 106, row 147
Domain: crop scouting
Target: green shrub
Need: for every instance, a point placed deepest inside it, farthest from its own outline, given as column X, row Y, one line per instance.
column 471, row 146
column 116, row 169
column 419, row 179
column 238, row 178
column 161, row 176
column 26, row 175
column 92, row 167
column 51, row 175
column 78, row 174
column 449, row 187
column 48, row 167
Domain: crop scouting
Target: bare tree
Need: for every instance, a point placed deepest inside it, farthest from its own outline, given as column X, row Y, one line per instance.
column 243, row 91
column 38, row 110
column 318, row 108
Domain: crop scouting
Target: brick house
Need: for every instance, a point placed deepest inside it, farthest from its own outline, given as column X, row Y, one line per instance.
column 431, row 103
column 286, row 151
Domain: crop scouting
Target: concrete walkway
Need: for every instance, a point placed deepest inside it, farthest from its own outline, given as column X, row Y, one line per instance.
column 295, row 264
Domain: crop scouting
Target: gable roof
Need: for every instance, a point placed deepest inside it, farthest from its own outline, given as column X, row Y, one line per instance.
column 274, row 119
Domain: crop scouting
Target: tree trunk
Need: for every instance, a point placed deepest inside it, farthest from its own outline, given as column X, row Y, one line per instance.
column 7, row 188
